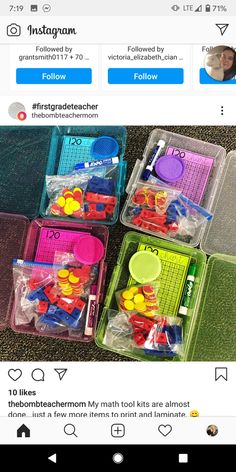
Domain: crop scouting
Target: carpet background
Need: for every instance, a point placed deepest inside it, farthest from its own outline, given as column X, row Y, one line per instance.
column 19, row 347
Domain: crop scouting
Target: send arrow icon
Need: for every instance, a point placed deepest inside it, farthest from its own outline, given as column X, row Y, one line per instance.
column 222, row 27
column 53, row 458
column 61, row 372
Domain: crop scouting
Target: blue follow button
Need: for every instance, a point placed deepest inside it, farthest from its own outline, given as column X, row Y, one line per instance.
column 145, row 76
column 205, row 78
column 53, row 76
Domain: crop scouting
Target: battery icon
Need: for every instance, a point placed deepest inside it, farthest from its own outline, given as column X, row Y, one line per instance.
column 208, row 8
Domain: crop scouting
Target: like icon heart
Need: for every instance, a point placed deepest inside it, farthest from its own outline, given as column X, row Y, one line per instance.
column 165, row 429
column 15, row 374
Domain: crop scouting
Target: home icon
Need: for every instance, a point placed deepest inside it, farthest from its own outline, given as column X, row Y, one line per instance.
column 23, row 431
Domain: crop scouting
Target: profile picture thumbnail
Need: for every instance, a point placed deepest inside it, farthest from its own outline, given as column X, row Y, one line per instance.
column 212, row 430
column 220, row 63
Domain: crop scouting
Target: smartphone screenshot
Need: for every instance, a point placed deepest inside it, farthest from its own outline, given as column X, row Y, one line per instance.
column 117, row 233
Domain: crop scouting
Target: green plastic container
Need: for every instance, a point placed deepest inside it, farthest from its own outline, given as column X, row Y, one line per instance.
column 210, row 327
column 212, row 337
column 120, row 279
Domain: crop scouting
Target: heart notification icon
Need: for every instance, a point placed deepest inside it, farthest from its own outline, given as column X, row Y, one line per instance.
column 165, row 429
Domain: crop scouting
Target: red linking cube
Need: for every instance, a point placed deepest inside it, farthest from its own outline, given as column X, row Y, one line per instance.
column 98, row 198
column 42, row 307
column 51, row 294
column 141, row 328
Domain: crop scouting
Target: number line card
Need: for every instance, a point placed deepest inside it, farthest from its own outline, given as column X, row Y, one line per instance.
column 197, row 172
column 174, row 269
column 56, row 239
column 75, row 149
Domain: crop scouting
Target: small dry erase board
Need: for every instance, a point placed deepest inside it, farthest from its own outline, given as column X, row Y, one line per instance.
column 75, row 149
column 196, row 175
column 55, row 239
column 174, row 268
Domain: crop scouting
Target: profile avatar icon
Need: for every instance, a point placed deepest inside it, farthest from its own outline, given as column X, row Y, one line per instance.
column 220, row 63
column 17, row 111
column 212, row 430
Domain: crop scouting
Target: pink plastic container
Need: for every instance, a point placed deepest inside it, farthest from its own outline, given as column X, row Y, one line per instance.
column 26, row 240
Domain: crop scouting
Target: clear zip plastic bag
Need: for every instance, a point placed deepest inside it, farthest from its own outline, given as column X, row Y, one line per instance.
column 66, row 195
column 84, row 195
column 141, row 299
column 165, row 338
column 81, row 275
column 188, row 216
column 118, row 333
column 162, row 336
column 43, row 301
column 180, row 219
column 153, row 197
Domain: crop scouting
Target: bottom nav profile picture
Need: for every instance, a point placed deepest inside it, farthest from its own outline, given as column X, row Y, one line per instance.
column 212, row 430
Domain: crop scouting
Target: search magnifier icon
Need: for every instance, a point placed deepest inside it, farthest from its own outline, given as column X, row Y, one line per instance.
column 70, row 430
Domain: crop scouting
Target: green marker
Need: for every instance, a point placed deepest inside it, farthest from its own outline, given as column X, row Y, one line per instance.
column 188, row 290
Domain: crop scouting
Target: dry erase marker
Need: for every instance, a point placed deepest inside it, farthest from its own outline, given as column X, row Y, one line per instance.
column 152, row 161
column 188, row 290
column 91, row 311
column 99, row 163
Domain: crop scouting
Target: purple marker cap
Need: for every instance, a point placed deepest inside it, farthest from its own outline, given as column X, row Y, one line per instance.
column 170, row 168
column 89, row 250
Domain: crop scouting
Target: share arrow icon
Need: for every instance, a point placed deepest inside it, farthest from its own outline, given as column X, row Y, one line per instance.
column 222, row 27
column 61, row 372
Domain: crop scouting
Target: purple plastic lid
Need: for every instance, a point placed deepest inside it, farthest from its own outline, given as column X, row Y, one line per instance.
column 170, row 168
column 89, row 250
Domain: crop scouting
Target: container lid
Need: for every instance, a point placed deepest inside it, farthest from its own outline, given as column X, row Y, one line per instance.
column 13, row 231
column 144, row 266
column 170, row 168
column 89, row 250
column 23, row 159
column 105, row 146
column 213, row 337
column 220, row 233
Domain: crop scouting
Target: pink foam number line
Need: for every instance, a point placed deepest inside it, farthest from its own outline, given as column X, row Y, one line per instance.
column 197, row 172
column 56, row 239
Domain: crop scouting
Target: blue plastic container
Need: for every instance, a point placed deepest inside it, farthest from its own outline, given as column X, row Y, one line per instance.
column 61, row 162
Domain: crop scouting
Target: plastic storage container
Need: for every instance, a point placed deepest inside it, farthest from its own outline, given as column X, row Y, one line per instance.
column 210, row 327
column 21, row 239
column 63, row 157
column 200, row 182
column 23, row 154
column 220, row 233
column 13, row 232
